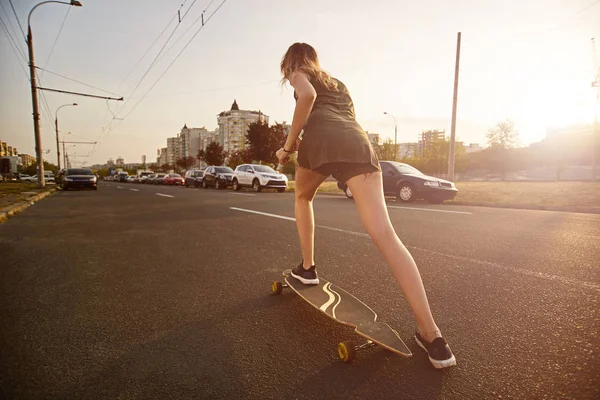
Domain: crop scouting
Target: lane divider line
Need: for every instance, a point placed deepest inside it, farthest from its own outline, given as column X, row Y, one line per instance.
column 164, row 195
column 536, row 274
column 242, row 194
column 135, row 190
column 430, row 209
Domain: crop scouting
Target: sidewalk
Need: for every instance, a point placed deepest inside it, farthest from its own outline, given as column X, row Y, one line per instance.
column 15, row 197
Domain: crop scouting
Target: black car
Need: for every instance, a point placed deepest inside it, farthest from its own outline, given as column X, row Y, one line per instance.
column 408, row 184
column 79, row 178
column 217, row 177
column 193, row 177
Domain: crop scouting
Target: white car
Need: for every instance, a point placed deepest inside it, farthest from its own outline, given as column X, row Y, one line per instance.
column 131, row 179
column 48, row 178
column 258, row 177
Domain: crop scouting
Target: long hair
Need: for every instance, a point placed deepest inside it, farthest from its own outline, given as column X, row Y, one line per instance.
column 302, row 57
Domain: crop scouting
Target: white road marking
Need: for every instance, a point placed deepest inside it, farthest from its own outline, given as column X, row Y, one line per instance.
column 119, row 187
column 431, row 209
column 243, row 194
column 164, row 195
column 542, row 275
column 263, row 213
column 135, row 190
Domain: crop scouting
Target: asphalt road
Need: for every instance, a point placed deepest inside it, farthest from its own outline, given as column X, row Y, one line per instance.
column 152, row 292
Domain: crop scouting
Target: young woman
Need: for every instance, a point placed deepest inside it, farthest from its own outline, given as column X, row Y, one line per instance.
column 333, row 143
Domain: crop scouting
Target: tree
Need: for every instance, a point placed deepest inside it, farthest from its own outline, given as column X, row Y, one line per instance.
column 32, row 169
column 201, row 156
column 503, row 135
column 237, row 157
column 276, row 140
column 166, row 167
column 153, row 167
column 501, row 140
column 214, row 154
column 185, row 162
column 385, row 150
column 257, row 139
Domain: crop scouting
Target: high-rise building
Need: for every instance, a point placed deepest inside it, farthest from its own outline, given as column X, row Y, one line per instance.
column 233, row 125
column 173, row 150
column 162, row 157
column 428, row 137
column 26, row 159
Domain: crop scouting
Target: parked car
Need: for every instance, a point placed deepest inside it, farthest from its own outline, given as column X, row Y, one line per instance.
column 130, row 179
column 193, row 177
column 173, row 179
column 258, row 177
column 147, row 178
column 217, row 177
column 158, row 178
column 49, row 178
column 142, row 176
column 79, row 177
column 122, row 177
column 24, row 178
column 407, row 184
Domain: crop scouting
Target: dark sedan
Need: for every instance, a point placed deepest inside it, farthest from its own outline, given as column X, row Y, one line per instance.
column 193, row 177
column 407, row 184
column 217, row 177
column 79, row 178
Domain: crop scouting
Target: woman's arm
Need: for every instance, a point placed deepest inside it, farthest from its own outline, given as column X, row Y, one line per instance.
column 306, row 98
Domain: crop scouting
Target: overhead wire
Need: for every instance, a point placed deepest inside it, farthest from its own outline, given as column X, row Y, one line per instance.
column 17, row 18
column 175, row 59
column 14, row 48
column 11, row 31
column 108, row 128
column 75, row 80
column 152, row 63
column 56, row 39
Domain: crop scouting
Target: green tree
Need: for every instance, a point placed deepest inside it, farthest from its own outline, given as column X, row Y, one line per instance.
column 166, row 167
column 237, row 157
column 385, row 150
column 502, row 138
column 214, row 154
column 32, row 169
column 185, row 162
column 258, row 141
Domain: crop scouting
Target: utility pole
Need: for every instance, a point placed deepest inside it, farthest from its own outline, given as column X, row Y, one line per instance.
column 66, row 159
column 36, row 114
column 595, row 132
column 451, row 160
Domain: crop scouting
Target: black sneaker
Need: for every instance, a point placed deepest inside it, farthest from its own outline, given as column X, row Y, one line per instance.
column 439, row 352
column 306, row 276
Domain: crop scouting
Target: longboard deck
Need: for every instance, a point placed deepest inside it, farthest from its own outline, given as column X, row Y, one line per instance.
column 343, row 307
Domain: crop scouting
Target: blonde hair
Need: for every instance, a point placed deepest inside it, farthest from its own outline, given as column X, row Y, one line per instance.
column 302, row 57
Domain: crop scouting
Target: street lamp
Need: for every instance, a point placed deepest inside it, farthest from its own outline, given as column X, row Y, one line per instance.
column 395, row 135
column 34, row 98
column 56, row 125
column 65, row 153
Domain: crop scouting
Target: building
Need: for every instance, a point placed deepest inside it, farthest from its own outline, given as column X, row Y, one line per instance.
column 573, row 130
column 173, row 150
column 233, row 125
column 120, row 162
column 7, row 151
column 407, row 150
column 27, row 160
column 428, row 137
column 161, row 158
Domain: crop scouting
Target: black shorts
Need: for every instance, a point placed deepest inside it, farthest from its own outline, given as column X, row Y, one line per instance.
column 344, row 171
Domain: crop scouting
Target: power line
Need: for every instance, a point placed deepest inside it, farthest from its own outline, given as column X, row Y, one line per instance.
column 14, row 49
column 75, row 80
column 17, row 18
column 147, row 51
column 151, row 64
column 57, row 36
column 175, row 59
column 10, row 31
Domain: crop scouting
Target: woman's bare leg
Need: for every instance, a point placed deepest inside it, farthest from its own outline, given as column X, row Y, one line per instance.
column 367, row 191
column 307, row 183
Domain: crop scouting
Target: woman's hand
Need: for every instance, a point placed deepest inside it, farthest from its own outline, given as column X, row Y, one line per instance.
column 282, row 156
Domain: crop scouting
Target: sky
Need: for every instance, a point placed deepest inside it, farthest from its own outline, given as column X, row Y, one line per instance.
column 530, row 61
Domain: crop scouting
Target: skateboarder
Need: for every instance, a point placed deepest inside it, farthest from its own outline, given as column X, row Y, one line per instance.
column 333, row 143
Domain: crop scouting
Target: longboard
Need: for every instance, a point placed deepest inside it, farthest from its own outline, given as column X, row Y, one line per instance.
column 346, row 309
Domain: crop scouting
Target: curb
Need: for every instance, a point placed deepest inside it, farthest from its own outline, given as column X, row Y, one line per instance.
column 22, row 205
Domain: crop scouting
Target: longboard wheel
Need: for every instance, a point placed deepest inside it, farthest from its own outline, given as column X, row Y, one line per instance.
column 276, row 287
column 346, row 351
